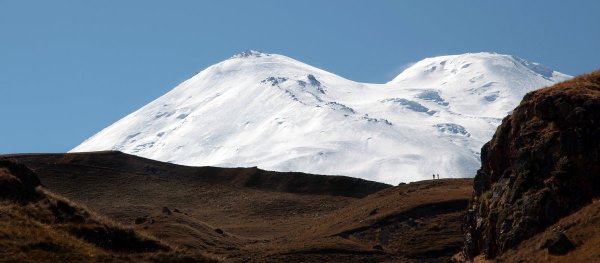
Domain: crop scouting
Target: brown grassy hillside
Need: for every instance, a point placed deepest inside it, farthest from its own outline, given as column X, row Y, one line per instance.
column 248, row 215
column 39, row 226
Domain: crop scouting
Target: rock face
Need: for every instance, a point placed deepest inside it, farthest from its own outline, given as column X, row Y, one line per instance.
column 542, row 164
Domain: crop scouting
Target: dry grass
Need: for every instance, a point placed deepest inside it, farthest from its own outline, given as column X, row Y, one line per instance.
column 583, row 85
column 26, row 239
column 40, row 231
column 412, row 222
column 41, row 226
column 247, row 215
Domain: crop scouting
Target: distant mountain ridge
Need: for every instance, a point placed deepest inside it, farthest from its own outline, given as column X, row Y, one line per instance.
column 271, row 111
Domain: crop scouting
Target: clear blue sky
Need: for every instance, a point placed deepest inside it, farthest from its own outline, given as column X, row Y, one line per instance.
column 70, row 68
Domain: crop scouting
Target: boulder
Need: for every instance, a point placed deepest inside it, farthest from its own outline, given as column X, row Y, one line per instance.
column 166, row 211
column 558, row 244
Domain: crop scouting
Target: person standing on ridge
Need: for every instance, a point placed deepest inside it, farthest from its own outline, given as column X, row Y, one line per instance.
column 433, row 176
column 438, row 176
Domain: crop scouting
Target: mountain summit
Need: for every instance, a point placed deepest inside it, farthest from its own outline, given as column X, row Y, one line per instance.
column 271, row 111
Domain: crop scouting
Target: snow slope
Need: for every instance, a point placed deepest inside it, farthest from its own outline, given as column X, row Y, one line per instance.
column 274, row 112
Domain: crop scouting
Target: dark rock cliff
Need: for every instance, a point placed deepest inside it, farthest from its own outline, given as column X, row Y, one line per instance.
column 542, row 164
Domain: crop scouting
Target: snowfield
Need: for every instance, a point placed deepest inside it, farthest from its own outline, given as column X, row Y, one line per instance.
column 274, row 112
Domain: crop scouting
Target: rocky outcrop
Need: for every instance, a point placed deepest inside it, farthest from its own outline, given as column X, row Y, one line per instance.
column 542, row 164
column 17, row 182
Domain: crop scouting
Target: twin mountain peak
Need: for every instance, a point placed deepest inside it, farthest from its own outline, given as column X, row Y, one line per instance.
column 274, row 112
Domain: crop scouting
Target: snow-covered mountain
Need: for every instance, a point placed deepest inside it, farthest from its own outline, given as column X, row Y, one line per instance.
column 274, row 112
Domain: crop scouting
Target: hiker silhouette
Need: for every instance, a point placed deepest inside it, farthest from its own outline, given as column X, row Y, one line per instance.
column 433, row 176
column 438, row 176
